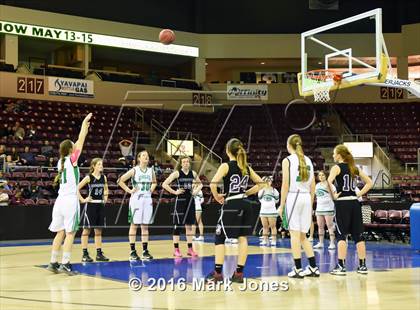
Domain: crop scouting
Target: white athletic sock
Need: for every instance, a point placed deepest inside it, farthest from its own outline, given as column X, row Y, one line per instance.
column 66, row 257
column 54, row 256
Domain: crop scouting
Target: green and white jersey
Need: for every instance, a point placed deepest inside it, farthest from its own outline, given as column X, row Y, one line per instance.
column 324, row 201
column 268, row 195
column 295, row 182
column 69, row 178
column 142, row 179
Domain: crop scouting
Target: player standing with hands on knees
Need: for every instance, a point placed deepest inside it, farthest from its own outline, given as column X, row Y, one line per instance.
column 65, row 214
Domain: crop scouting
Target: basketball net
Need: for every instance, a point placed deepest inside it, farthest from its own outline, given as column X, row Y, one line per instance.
column 320, row 83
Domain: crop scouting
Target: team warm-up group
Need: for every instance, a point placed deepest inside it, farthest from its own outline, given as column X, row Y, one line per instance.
column 337, row 206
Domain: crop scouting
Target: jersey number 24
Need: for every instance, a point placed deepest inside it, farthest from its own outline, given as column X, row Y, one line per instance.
column 237, row 183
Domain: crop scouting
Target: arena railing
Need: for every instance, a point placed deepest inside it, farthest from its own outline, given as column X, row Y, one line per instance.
column 381, row 155
column 412, row 168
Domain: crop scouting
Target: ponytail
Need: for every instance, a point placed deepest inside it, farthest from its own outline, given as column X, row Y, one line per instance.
column 242, row 160
column 295, row 141
column 347, row 157
column 303, row 171
column 65, row 148
column 57, row 178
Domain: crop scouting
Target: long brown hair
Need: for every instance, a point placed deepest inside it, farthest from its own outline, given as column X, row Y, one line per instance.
column 347, row 157
column 295, row 141
column 236, row 148
column 93, row 164
column 65, row 148
column 180, row 159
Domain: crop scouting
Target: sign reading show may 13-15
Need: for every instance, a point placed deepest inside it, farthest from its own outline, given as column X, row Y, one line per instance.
column 67, row 35
column 70, row 87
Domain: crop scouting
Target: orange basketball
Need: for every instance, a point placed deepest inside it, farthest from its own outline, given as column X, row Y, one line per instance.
column 166, row 36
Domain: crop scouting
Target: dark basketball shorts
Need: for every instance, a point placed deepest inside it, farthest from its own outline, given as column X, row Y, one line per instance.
column 184, row 211
column 236, row 219
column 93, row 215
column 348, row 215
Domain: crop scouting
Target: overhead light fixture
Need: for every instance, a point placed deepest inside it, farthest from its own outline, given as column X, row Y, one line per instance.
column 319, row 62
column 206, row 64
column 262, row 63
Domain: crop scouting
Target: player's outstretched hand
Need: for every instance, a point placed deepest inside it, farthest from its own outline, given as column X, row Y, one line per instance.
column 86, row 121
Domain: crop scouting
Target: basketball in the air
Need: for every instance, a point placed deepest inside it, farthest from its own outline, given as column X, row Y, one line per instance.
column 166, row 36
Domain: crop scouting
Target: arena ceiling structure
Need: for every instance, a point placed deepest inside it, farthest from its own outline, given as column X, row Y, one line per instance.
column 234, row 16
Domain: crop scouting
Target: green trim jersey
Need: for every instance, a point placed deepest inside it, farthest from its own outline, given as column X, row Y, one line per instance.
column 142, row 180
column 69, row 178
column 268, row 198
column 324, row 202
column 295, row 181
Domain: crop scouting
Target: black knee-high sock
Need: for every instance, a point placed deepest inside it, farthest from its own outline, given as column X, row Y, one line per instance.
column 176, row 245
column 132, row 246
column 312, row 261
column 144, row 246
column 240, row 268
column 298, row 263
column 218, row 268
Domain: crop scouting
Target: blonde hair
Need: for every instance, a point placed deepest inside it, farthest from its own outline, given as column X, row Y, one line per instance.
column 295, row 141
column 347, row 157
column 236, row 148
column 93, row 164
column 65, row 147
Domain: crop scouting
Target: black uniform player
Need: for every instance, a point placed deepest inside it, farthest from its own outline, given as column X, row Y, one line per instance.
column 236, row 220
column 93, row 213
column 348, row 208
column 188, row 185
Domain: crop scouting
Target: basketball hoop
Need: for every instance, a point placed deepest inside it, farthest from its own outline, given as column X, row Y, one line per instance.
column 320, row 80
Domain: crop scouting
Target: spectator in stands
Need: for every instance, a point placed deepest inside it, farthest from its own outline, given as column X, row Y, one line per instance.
column 51, row 163
column 31, row 132
column 5, row 131
column 12, row 159
column 2, row 154
column 27, row 158
column 156, row 167
column 4, row 197
column 126, row 147
column 18, row 131
column 47, row 149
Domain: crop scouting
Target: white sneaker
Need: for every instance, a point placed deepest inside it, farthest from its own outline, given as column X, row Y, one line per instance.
column 311, row 272
column 200, row 239
column 273, row 243
column 319, row 245
column 195, row 238
column 331, row 246
column 310, row 239
column 296, row 273
column 234, row 241
column 263, row 243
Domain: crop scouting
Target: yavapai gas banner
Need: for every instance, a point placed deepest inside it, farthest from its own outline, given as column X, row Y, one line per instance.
column 70, row 87
column 247, row 92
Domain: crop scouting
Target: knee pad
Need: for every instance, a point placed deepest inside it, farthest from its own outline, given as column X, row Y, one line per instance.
column 177, row 230
column 358, row 238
